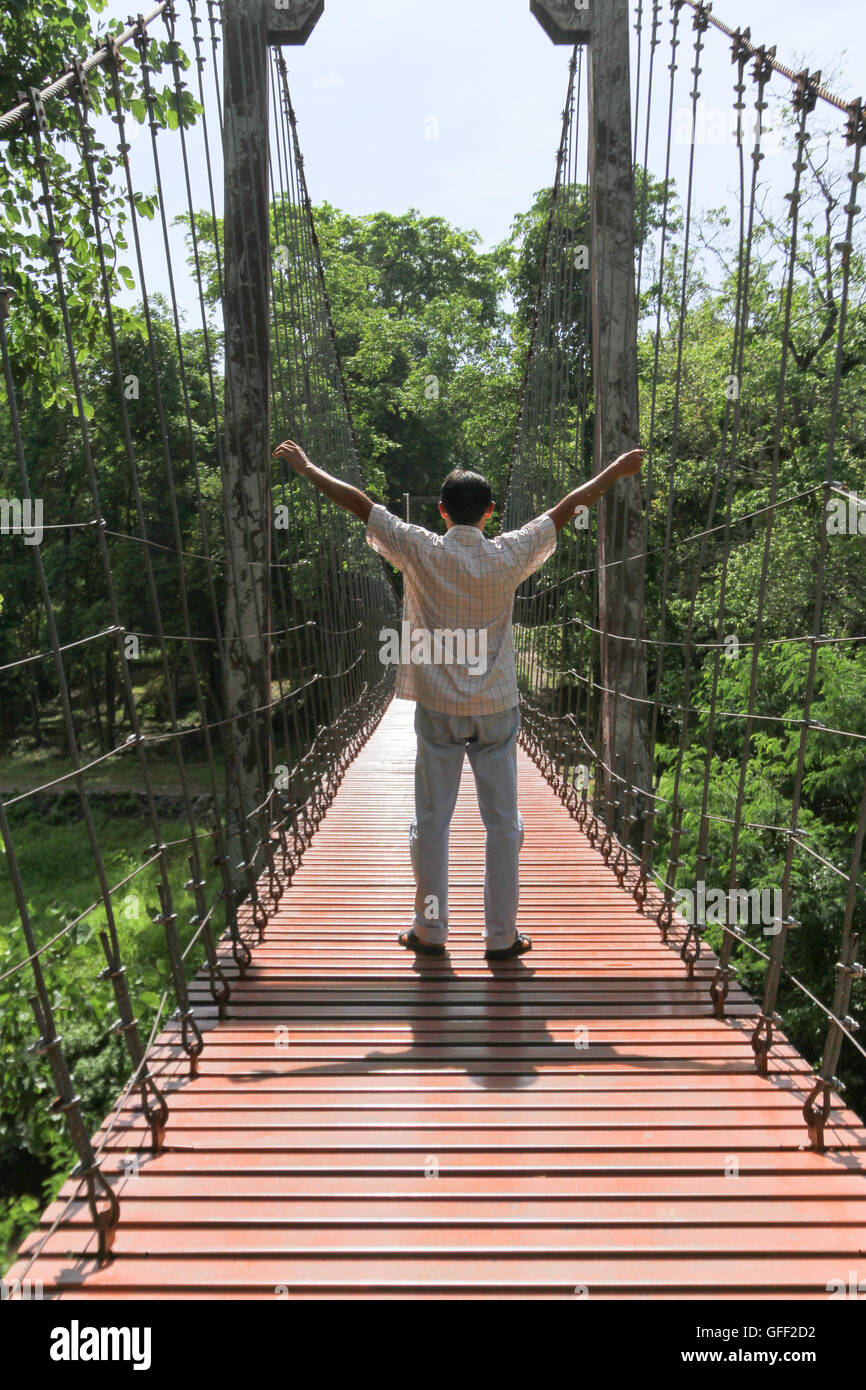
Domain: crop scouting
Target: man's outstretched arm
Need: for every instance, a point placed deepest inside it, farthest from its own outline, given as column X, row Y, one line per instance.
column 352, row 499
column 589, row 492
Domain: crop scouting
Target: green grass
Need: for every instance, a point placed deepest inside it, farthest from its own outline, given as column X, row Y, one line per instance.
column 57, row 869
column 24, row 768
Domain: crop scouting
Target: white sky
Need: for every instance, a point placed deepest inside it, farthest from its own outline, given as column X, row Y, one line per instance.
column 374, row 72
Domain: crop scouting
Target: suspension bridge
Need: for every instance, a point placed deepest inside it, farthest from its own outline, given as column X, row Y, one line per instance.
column 307, row 1110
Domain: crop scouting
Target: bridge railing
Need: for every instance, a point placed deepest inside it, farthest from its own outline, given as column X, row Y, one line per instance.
column 112, row 392
column 750, row 288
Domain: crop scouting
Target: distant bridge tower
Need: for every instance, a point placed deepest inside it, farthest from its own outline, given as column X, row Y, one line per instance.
column 249, row 28
column 604, row 26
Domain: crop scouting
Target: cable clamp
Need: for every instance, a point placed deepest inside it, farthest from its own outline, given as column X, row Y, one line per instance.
column 806, row 93
column 741, row 49
column 764, row 64
column 701, row 19
column 855, row 128
column 37, row 106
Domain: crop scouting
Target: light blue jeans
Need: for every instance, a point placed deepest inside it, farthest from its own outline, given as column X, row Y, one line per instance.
column 490, row 741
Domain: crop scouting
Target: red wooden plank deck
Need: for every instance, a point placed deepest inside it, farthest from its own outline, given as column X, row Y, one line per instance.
column 368, row 1124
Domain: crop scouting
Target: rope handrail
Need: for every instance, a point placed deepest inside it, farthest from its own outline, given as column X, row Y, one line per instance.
column 685, row 540
column 714, row 817
column 752, row 715
column 66, row 83
column 742, row 38
column 624, row 850
column 722, row 646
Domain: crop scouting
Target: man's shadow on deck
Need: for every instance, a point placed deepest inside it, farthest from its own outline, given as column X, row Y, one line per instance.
column 425, row 1017
column 519, row 986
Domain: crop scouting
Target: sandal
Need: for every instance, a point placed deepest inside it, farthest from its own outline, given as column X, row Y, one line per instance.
column 414, row 943
column 519, row 947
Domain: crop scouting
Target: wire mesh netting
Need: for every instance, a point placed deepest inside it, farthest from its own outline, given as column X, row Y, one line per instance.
column 750, row 659
column 120, row 555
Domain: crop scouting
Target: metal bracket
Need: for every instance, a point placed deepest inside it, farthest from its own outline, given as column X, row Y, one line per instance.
column 701, row 17
column 292, row 21
column 77, row 66
column 741, row 49
column 805, row 97
column 855, row 128
column 37, row 107
column 764, row 66
column 564, row 21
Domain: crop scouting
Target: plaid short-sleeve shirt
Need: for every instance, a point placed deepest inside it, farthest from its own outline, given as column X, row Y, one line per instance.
column 460, row 586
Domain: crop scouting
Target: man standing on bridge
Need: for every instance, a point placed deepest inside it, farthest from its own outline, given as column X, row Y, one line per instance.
column 462, row 585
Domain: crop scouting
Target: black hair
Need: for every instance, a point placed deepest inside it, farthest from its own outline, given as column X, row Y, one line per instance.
column 465, row 496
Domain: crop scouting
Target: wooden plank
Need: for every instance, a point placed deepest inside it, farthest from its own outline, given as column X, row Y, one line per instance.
column 466, row 1275
column 366, row 1124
